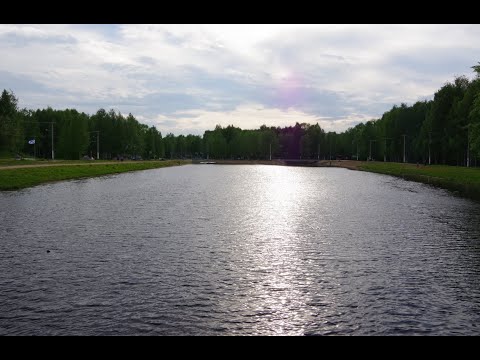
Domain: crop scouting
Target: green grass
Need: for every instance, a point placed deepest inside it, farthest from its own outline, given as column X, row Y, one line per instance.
column 11, row 162
column 456, row 178
column 14, row 179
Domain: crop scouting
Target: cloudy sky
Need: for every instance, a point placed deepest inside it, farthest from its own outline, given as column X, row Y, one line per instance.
column 188, row 78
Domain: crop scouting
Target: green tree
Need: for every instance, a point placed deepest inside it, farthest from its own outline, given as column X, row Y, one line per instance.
column 170, row 146
column 474, row 118
column 74, row 139
column 476, row 68
column 11, row 129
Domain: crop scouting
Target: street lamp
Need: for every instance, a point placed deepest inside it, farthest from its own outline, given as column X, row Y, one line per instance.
column 98, row 142
column 385, row 150
column 429, row 144
column 355, row 141
column 371, row 140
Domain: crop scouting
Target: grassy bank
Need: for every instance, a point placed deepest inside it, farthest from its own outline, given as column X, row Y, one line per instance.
column 465, row 181
column 14, row 179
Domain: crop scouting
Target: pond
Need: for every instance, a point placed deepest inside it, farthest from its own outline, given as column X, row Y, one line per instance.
column 239, row 250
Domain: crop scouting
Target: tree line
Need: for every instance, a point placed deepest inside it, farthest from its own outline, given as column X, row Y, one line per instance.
column 73, row 135
column 444, row 130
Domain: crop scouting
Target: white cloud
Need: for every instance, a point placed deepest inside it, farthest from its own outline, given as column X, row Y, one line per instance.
column 307, row 71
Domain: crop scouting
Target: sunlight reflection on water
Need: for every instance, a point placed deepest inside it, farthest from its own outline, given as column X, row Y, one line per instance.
column 199, row 250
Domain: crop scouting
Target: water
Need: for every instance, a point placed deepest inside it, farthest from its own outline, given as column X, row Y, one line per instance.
column 239, row 250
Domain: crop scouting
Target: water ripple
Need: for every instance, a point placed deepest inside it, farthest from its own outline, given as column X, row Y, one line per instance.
column 239, row 250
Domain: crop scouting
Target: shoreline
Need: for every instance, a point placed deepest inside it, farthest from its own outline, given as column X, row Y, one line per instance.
column 458, row 180
column 16, row 178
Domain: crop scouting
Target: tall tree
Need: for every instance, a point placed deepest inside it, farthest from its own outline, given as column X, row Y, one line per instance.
column 74, row 139
column 10, row 122
column 474, row 118
column 476, row 68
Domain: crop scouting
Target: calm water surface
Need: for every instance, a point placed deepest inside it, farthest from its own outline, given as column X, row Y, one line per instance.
column 247, row 250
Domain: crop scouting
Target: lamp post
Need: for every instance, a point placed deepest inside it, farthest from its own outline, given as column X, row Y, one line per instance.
column 354, row 141
column 468, row 146
column 330, row 144
column 98, row 142
column 53, row 151
column 385, row 150
column 371, row 140
column 429, row 144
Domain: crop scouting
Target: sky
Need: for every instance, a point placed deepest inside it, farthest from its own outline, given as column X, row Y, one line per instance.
column 186, row 79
